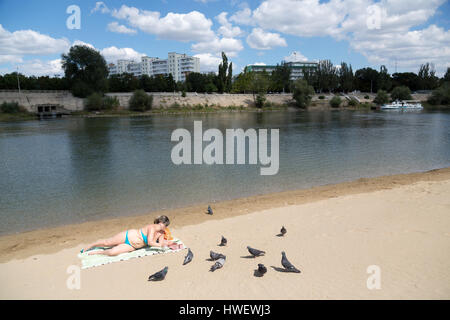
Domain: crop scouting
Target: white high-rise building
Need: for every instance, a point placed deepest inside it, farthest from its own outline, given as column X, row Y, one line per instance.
column 177, row 64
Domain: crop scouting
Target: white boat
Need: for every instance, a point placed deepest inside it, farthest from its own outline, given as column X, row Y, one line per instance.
column 403, row 105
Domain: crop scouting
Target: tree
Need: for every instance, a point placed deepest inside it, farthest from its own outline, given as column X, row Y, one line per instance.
column 441, row 95
column 259, row 87
column 335, row 102
column 384, row 81
column 366, row 80
column 86, row 70
column 401, row 93
column 281, row 78
column 326, row 77
column 141, row 101
column 302, row 93
column 408, row 79
column 447, row 75
column 243, row 81
column 427, row 77
column 346, row 77
column 381, row 98
column 222, row 74
column 229, row 78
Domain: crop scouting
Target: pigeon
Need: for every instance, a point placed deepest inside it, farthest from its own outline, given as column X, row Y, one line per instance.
column 188, row 257
column 287, row 265
column 223, row 242
column 255, row 252
column 160, row 275
column 210, row 210
column 219, row 264
column 215, row 256
column 283, row 231
column 261, row 269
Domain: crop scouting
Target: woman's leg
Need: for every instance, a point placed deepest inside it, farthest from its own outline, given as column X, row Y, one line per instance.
column 121, row 248
column 110, row 242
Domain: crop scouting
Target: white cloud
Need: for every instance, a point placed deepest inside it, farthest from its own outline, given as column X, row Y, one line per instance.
column 118, row 28
column 208, row 61
column 192, row 26
column 23, row 42
column 295, row 57
column 37, row 67
column 9, row 58
column 262, row 40
column 226, row 29
column 112, row 54
column 100, row 6
column 243, row 17
column 228, row 45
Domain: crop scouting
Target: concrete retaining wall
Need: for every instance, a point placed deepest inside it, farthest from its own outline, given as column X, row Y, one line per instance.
column 30, row 98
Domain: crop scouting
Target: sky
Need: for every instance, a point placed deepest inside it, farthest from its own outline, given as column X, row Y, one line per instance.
column 400, row 34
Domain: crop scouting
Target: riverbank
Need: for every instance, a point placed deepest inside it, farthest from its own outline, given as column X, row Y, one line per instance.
column 399, row 223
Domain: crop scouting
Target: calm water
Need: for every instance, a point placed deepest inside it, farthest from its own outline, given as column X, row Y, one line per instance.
column 73, row 170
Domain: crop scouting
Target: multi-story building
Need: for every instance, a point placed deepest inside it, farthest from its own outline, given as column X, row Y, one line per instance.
column 177, row 64
column 298, row 69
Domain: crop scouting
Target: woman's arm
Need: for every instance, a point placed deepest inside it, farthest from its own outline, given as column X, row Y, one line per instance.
column 152, row 241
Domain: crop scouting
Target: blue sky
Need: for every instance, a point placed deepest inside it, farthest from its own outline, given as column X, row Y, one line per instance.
column 33, row 34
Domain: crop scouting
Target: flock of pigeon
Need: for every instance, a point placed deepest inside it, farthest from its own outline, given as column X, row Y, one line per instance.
column 220, row 259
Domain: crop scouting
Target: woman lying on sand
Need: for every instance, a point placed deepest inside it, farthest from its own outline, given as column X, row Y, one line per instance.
column 132, row 239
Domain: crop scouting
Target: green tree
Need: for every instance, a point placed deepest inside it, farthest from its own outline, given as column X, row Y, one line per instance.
column 441, row 95
column 335, row 102
column 381, row 98
column 94, row 102
column 326, row 77
column 384, row 81
column 401, row 93
column 86, row 70
column 346, row 77
column 140, row 101
column 408, row 79
column 302, row 93
column 366, row 80
column 225, row 74
column 259, row 87
column 427, row 77
column 281, row 78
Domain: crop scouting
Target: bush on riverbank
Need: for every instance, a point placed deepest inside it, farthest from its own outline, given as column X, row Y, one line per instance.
column 141, row 101
column 401, row 93
column 96, row 102
column 11, row 107
column 13, row 111
column 302, row 93
column 440, row 96
column 381, row 98
column 335, row 102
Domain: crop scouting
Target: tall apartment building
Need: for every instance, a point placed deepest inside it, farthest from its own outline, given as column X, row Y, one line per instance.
column 177, row 64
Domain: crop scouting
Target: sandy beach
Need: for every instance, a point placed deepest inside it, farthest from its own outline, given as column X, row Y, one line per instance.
column 400, row 224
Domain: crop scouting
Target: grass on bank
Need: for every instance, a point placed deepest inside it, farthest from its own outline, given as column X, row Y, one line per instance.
column 11, row 111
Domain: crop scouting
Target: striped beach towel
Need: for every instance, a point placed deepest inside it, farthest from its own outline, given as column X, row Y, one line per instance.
column 89, row 261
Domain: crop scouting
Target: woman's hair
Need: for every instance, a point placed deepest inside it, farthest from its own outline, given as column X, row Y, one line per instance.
column 162, row 219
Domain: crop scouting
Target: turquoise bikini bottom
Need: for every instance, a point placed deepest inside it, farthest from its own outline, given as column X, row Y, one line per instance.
column 143, row 237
